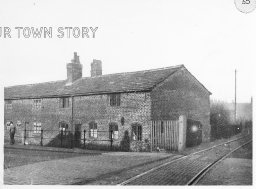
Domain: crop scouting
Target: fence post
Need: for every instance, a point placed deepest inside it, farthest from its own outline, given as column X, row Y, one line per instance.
column 111, row 139
column 71, row 137
column 41, row 143
column 182, row 132
column 151, row 136
column 61, row 135
column 84, row 138
column 25, row 136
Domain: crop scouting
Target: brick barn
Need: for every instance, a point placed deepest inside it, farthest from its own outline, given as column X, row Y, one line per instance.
column 122, row 102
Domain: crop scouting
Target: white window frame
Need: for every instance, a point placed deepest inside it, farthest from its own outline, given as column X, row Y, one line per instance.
column 37, row 127
column 137, row 132
column 93, row 133
column 93, row 130
column 114, row 127
column 115, row 135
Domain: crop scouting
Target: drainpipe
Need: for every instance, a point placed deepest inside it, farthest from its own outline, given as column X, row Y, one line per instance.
column 72, row 120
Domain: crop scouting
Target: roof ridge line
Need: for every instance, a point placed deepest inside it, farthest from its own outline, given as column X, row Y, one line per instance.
column 167, row 77
column 122, row 73
column 36, row 83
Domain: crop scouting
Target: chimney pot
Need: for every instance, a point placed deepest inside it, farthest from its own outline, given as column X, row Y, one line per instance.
column 74, row 70
column 96, row 68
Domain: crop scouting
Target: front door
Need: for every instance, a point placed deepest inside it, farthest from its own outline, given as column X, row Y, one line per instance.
column 77, row 137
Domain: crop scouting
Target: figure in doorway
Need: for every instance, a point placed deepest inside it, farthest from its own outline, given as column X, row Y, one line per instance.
column 12, row 133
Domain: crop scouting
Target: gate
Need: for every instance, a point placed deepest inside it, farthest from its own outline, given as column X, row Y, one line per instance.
column 165, row 135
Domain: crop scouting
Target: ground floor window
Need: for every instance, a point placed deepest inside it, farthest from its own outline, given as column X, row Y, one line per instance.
column 136, row 131
column 8, row 124
column 18, row 124
column 37, row 127
column 114, row 128
column 93, row 132
column 63, row 126
column 8, row 105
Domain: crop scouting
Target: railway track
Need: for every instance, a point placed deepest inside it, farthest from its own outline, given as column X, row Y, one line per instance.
column 187, row 170
column 203, row 172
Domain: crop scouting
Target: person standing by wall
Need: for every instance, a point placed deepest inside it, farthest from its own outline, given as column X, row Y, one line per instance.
column 12, row 133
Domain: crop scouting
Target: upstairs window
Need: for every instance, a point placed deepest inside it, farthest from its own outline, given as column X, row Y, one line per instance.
column 114, row 128
column 37, row 104
column 115, row 99
column 136, row 132
column 37, row 127
column 64, row 102
column 93, row 132
column 8, row 105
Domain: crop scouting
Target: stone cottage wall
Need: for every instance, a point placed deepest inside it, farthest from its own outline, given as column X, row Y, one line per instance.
column 49, row 115
column 134, row 108
column 181, row 94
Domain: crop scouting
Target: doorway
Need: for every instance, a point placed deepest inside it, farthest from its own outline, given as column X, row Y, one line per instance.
column 77, row 136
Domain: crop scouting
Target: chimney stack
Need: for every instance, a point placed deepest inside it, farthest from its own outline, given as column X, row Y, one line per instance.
column 74, row 70
column 96, row 68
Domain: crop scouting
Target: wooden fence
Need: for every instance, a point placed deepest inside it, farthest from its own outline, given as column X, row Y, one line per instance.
column 165, row 135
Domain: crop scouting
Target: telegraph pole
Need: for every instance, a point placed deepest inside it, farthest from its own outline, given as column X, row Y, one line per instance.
column 235, row 95
column 72, row 122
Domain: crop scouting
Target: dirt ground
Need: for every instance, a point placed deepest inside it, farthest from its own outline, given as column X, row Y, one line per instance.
column 74, row 168
column 234, row 170
column 80, row 169
column 19, row 157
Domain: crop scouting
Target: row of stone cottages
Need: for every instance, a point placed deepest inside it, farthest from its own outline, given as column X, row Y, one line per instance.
column 124, row 102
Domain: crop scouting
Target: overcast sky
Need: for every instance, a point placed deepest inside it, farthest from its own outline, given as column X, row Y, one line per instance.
column 211, row 38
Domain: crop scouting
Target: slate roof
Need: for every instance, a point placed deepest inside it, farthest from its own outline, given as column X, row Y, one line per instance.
column 111, row 83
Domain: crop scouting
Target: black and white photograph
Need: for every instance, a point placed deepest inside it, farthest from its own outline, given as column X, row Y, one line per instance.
column 118, row 92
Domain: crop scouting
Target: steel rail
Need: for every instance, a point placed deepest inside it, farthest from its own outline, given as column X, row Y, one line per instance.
column 177, row 159
column 204, row 171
